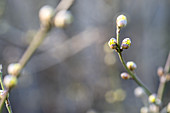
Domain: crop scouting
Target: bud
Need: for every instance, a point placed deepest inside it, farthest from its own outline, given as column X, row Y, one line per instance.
column 125, row 76
column 152, row 98
column 13, row 69
column 160, row 71
column 121, row 21
column 45, row 14
column 112, row 43
column 126, row 43
column 63, row 18
column 153, row 108
column 131, row 65
column 139, row 92
column 10, row 81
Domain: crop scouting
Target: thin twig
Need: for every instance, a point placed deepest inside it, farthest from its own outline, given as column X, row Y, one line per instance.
column 7, row 102
column 135, row 78
column 163, row 78
column 38, row 39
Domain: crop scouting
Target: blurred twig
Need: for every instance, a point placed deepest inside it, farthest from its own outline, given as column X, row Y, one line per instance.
column 163, row 78
column 38, row 39
column 7, row 102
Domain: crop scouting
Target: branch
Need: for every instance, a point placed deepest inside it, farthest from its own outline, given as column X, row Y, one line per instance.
column 37, row 40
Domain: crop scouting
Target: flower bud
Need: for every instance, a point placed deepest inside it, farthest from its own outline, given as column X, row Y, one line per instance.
column 125, row 76
column 121, row 21
column 112, row 43
column 160, row 71
column 152, row 98
column 45, row 14
column 13, row 69
column 139, row 92
column 153, row 108
column 63, row 18
column 126, row 43
column 131, row 65
column 10, row 81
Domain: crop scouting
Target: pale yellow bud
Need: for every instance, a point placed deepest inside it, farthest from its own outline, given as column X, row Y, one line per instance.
column 121, row 21
column 10, row 81
column 45, row 14
column 63, row 18
column 14, row 69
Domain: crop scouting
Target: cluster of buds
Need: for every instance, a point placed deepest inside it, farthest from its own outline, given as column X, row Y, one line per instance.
column 11, row 80
column 62, row 19
column 126, row 43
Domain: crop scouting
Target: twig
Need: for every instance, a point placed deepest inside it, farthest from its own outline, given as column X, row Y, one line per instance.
column 135, row 78
column 7, row 102
column 38, row 39
column 163, row 78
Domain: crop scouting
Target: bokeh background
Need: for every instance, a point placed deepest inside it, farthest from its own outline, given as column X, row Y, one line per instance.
column 74, row 71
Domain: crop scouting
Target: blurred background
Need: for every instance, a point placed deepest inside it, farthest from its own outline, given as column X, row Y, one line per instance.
column 74, row 71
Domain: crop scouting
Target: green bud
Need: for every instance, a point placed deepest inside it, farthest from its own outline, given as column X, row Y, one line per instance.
column 10, row 81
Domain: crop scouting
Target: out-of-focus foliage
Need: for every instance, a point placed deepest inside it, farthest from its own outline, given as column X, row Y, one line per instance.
column 74, row 71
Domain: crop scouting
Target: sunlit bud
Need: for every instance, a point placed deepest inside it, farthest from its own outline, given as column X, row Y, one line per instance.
column 10, row 81
column 131, row 65
column 63, row 18
column 139, row 92
column 112, row 43
column 125, row 76
column 160, row 71
column 126, row 43
column 45, row 14
column 152, row 98
column 121, row 21
column 13, row 69
column 144, row 110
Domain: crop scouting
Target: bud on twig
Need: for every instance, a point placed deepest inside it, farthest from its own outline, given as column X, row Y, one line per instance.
column 63, row 18
column 125, row 76
column 13, row 69
column 160, row 71
column 121, row 21
column 126, row 43
column 10, row 81
column 45, row 14
column 152, row 98
column 112, row 43
column 131, row 65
